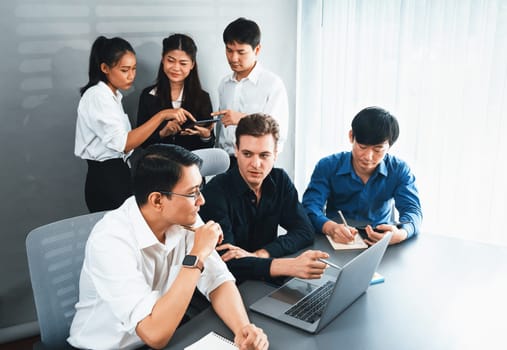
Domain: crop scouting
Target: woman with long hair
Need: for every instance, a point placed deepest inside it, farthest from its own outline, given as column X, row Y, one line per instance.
column 178, row 86
column 104, row 136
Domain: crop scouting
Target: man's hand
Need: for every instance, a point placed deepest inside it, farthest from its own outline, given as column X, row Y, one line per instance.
column 230, row 117
column 340, row 233
column 398, row 236
column 233, row 252
column 251, row 337
column 305, row 265
column 206, row 238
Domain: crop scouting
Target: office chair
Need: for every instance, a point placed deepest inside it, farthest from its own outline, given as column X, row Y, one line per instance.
column 55, row 257
column 214, row 161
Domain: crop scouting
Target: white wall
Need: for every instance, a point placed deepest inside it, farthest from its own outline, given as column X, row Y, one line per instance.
column 45, row 48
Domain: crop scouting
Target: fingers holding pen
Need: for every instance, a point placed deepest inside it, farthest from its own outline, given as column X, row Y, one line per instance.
column 339, row 232
column 206, row 238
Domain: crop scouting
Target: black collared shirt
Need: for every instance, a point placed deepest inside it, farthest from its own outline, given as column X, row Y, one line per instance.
column 252, row 226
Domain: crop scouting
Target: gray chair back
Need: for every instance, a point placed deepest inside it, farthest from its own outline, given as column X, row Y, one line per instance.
column 214, row 160
column 55, row 258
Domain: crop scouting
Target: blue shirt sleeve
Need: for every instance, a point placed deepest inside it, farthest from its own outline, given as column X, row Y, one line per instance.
column 317, row 193
column 406, row 201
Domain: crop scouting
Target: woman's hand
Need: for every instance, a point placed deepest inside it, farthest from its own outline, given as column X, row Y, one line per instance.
column 202, row 131
column 179, row 115
column 171, row 128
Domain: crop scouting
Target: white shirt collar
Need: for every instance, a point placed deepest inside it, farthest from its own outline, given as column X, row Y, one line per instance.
column 153, row 92
column 144, row 235
column 253, row 76
column 118, row 96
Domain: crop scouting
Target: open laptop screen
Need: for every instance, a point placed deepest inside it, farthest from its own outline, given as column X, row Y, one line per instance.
column 293, row 291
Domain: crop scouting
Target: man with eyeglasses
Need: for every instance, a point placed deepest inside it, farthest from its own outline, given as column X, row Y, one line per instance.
column 251, row 200
column 144, row 260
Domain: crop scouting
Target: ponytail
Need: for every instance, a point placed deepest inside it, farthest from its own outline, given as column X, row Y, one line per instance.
column 108, row 51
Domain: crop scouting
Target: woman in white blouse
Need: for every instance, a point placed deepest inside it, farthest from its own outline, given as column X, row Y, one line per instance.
column 104, row 136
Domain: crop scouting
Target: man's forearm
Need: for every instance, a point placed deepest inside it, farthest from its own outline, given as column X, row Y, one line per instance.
column 228, row 305
column 157, row 328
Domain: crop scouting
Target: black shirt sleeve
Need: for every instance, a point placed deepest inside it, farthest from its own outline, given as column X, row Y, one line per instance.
column 292, row 218
column 147, row 108
column 253, row 227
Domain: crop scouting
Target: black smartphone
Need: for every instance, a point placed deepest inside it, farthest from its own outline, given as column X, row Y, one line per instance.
column 362, row 231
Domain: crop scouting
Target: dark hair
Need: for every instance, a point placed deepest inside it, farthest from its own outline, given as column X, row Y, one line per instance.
column 159, row 169
column 258, row 124
column 374, row 125
column 108, row 51
column 242, row 31
column 192, row 84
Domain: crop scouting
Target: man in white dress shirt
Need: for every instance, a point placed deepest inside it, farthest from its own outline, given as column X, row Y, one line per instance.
column 144, row 260
column 249, row 88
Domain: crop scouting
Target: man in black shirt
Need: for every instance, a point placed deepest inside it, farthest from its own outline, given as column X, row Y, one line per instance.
column 250, row 201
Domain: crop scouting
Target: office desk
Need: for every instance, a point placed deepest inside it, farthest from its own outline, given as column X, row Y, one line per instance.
column 439, row 293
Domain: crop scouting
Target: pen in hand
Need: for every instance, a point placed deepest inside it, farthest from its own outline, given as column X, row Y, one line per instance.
column 343, row 218
column 329, row 263
column 188, row 227
column 346, row 224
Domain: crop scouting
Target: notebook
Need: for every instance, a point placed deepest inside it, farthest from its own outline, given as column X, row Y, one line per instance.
column 312, row 304
column 357, row 244
column 212, row 341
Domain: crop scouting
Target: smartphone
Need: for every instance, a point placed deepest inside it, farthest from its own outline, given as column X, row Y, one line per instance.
column 362, row 231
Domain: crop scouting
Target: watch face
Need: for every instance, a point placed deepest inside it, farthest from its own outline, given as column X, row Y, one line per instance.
column 189, row 260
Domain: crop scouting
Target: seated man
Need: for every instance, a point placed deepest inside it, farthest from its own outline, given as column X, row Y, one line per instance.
column 364, row 184
column 144, row 260
column 251, row 200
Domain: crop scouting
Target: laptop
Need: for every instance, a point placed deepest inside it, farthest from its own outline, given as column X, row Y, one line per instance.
column 312, row 304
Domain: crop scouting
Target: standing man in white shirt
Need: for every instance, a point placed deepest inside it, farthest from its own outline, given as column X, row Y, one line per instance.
column 144, row 260
column 250, row 88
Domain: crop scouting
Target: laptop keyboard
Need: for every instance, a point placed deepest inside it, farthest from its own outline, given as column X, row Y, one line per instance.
column 310, row 308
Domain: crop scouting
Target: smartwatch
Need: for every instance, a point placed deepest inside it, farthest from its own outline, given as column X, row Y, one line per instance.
column 193, row 262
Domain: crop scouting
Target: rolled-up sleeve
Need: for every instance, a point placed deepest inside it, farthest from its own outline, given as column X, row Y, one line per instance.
column 215, row 273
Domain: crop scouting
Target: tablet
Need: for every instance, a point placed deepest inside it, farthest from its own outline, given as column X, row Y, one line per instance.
column 190, row 123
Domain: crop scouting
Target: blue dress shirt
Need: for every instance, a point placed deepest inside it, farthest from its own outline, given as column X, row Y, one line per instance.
column 335, row 186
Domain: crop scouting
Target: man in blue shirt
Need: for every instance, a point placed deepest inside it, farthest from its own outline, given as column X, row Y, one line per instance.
column 366, row 184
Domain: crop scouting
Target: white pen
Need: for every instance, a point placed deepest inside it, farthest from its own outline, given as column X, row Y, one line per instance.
column 345, row 223
column 329, row 263
column 343, row 218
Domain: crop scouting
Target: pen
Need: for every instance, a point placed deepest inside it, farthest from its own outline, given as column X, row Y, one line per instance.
column 190, row 228
column 343, row 218
column 329, row 263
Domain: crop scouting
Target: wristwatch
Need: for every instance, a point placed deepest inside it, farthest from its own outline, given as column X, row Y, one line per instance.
column 193, row 262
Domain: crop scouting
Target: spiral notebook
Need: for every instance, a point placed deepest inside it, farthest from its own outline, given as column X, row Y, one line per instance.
column 212, row 341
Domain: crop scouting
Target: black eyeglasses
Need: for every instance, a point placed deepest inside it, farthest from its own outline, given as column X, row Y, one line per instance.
column 195, row 195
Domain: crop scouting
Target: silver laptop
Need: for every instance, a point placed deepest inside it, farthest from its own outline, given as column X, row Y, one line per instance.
column 312, row 304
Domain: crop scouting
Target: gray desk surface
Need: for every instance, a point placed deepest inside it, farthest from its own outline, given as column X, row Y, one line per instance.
column 439, row 293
